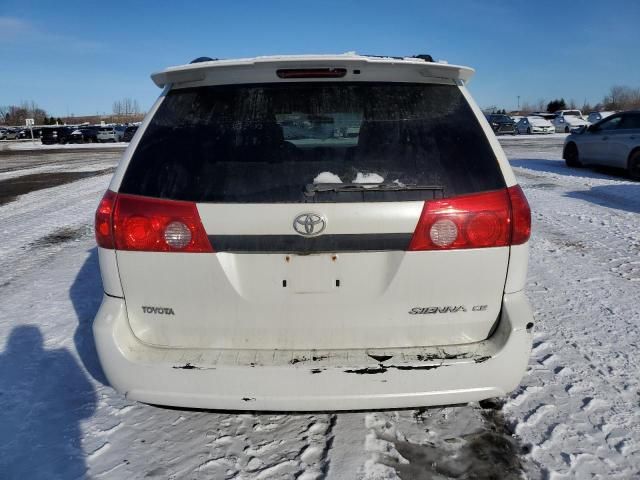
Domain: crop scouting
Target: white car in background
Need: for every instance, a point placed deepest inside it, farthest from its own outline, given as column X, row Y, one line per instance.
column 597, row 116
column 566, row 121
column 533, row 124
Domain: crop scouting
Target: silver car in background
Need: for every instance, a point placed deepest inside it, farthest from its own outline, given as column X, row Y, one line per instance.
column 107, row 134
column 612, row 142
column 597, row 116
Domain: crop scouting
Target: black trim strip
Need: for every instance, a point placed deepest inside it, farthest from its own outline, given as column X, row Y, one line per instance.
column 320, row 244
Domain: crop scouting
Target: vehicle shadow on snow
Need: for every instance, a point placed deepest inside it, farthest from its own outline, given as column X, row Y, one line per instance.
column 621, row 197
column 86, row 295
column 44, row 395
column 559, row 167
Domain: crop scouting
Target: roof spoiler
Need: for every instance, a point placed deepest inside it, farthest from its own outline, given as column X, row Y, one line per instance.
column 200, row 67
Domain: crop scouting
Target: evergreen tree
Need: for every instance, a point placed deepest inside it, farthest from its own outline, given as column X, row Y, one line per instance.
column 555, row 105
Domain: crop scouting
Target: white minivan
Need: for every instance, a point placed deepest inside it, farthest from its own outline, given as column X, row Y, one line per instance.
column 323, row 232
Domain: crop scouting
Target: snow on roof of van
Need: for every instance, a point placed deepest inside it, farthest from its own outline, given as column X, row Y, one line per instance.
column 197, row 72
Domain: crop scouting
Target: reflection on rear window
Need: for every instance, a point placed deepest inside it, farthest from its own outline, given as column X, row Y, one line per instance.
column 267, row 143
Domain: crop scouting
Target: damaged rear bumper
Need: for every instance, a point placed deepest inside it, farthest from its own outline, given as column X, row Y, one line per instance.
column 289, row 380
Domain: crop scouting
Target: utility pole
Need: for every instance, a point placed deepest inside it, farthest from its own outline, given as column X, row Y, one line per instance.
column 518, row 102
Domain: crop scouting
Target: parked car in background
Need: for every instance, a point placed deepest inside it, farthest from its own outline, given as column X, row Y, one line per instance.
column 119, row 129
column 3, row 133
column 129, row 133
column 595, row 117
column 76, row 136
column 11, row 134
column 532, row 124
column 354, row 258
column 501, row 124
column 26, row 133
column 107, row 134
column 612, row 142
column 89, row 133
column 568, row 120
column 60, row 134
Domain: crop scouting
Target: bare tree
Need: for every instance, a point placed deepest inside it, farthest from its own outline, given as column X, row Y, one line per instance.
column 125, row 108
column 622, row 97
column 17, row 114
column 526, row 108
column 586, row 107
column 540, row 105
column 117, row 108
column 4, row 110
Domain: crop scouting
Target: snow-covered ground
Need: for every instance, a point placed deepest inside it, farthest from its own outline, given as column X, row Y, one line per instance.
column 575, row 415
column 38, row 145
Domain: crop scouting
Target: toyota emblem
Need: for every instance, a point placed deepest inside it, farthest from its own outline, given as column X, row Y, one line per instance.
column 309, row 224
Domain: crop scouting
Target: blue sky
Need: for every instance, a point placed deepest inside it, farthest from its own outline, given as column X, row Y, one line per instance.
column 78, row 57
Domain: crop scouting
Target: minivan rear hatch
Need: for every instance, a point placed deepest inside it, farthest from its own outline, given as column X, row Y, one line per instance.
column 337, row 215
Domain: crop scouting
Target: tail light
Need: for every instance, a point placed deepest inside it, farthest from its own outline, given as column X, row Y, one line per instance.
column 104, row 220
column 520, row 216
column 492, row 219
column 131, row 222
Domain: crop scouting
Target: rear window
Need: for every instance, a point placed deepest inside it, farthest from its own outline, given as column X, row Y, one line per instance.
column 270, row 143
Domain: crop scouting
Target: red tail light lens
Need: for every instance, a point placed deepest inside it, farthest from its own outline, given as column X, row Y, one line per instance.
column 491, row 219
column 104, row 217
column 146, row 224
column 520, row 215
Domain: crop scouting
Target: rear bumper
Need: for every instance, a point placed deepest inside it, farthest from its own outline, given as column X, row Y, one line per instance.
column 314, row 380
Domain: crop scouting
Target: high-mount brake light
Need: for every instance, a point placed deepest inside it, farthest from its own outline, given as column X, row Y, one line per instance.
column 311, row 72
column 131, row 222
column 491, row 219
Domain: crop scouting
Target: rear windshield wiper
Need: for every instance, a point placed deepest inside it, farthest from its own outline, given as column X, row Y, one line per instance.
column 311, row 188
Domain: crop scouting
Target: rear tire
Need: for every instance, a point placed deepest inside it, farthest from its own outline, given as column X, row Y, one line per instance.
column 528, row 131
column 634, row 166
column 571, row 156
column 566, row 130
